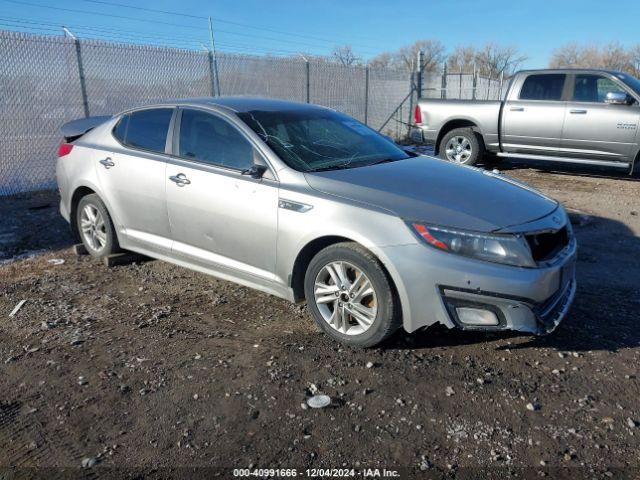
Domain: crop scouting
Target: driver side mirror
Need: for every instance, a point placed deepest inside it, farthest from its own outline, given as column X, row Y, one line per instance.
column 618, row 98
column 255, row 171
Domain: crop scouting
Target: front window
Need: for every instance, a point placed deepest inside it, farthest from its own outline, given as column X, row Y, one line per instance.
column 594, row 88
column 632, row 82
column 210, row 139
column 314, row 139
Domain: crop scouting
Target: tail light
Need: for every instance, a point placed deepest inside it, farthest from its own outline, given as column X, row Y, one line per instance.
column 417, row 115
column 64, row 149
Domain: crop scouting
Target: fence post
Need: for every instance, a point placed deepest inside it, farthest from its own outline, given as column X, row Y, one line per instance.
column 83, row 84
column 211, row 73
column 501, row 82
column 420, row 73
column 475, row 83
column 366, row 95
column 308, row 75
column 460, row 86
column 443, row 91
column 215, row 55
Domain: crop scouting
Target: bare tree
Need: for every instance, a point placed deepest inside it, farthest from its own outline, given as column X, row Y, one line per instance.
column 615, row 57
column 569, row 55
column 383, row 60
column 433, row 55
column 634, row 57
column 345, row 56
column 462, row 59
column 612, row 57
column 494, row 60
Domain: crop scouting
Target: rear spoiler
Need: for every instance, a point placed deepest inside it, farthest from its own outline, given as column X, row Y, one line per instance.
column 75, row 129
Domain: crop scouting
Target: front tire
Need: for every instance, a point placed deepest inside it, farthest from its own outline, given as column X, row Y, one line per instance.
column 350, row 295
column 95, row 227
column 461, row 145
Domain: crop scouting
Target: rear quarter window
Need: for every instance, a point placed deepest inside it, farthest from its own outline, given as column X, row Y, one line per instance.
column 543, row 87
column 145, row 129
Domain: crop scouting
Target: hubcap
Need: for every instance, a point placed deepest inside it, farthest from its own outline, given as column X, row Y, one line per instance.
column 345, row 298
column 458, row 149
column 93, row 228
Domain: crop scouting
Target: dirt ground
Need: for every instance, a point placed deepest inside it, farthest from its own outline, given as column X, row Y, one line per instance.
column 150, row 368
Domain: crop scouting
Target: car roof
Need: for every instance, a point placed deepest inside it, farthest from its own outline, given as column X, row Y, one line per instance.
column 570, row 70
column 240, row 104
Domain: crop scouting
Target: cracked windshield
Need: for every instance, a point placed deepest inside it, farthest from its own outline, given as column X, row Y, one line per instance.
column 311, row 140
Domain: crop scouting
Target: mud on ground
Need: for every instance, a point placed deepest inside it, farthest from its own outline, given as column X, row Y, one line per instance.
column 150, row 365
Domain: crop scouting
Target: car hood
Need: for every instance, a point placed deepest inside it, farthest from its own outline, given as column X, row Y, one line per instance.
column 438, row 192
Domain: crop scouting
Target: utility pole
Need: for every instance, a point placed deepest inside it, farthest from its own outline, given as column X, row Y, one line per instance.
column 215, row 57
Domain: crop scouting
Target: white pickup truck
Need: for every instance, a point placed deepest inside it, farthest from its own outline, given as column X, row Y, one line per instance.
column 574, row 116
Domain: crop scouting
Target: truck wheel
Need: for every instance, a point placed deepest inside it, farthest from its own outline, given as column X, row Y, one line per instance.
column 461, row 145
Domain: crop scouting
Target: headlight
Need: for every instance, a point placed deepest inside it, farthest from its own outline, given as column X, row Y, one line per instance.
column 507, row 248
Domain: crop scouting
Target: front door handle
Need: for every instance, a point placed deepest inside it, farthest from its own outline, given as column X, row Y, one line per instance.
column 517, row 109
column 107, row 163
column 578, row 112
column 180, row 179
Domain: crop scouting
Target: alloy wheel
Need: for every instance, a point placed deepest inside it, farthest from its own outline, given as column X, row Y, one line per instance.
column 345, row 297
column 458, row 149
column 93, row 227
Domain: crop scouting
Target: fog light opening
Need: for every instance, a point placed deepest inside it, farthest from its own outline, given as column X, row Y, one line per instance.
column 476, row 316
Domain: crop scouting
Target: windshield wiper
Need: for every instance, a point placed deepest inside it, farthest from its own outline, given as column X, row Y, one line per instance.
column 332, row 167
column 387, row 160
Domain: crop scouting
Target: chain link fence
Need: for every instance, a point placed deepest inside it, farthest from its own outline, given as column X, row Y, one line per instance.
column 466, row 86
column 46, row 81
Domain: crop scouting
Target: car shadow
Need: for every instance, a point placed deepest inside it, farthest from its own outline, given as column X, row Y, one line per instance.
column 569, row 169
column 31, row 222
column 605, row 312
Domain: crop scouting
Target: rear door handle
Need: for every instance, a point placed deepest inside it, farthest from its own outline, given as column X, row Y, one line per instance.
column 578, row 112
column 517, row 109
column 107, row 163
column 180, row 179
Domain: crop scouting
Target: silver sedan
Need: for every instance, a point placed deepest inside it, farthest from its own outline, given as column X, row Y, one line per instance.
column 308, row 204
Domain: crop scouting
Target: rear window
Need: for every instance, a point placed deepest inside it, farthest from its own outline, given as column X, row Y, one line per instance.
column 145, row 129
column 543, row 87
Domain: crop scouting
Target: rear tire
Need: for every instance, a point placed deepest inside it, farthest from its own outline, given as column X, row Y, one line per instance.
column 461, row 145
column 351, row 296
column 95, row 227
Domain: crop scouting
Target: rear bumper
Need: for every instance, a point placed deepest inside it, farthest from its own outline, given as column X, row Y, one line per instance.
column 422, row 135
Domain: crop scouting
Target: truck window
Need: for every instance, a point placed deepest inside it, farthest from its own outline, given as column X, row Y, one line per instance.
column 543, row 87
column 594, row 88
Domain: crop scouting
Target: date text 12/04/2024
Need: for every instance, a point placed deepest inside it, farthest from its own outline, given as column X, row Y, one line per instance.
column 318, row 473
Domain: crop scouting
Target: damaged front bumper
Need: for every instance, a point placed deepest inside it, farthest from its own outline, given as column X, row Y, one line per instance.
column 518, row 314
column 441, row 288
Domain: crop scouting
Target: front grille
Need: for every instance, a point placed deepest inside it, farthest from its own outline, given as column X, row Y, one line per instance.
column 546, row 245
